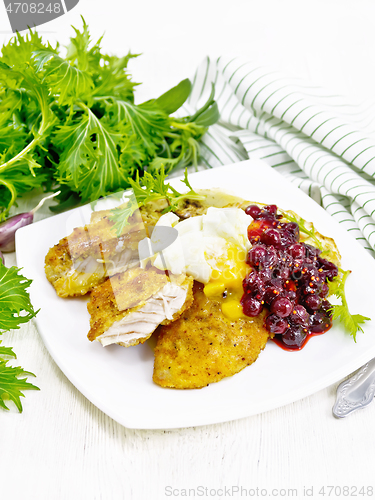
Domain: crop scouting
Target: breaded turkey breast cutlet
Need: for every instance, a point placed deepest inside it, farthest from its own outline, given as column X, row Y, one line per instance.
column 127, row 308
column 90, row 254
column 203, row 346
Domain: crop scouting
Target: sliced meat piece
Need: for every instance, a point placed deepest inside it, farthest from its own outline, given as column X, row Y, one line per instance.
column 127, row 308
column 86, row 257
column 203, row 346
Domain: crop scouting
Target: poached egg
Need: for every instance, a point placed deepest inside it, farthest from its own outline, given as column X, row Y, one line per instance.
column 212, row 248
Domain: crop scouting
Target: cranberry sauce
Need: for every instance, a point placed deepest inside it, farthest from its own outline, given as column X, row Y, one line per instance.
column 288, row 277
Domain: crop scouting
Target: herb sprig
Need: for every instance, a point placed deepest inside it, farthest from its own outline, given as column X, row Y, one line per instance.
column 351, row 322
column 310, row 232
column 15, row 309
column 151, row 188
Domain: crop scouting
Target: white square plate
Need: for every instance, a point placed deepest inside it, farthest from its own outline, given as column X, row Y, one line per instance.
column 119, row 380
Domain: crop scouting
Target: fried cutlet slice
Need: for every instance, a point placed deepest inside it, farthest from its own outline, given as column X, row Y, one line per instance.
column 127, row 308
column 90, row 254
column 203, row 346
column 84, row 259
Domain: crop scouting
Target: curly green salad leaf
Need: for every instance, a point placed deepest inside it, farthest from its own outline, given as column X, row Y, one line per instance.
column 15, row 309
column 69, row 122
column 151, row 188
column 12, row 382
column 310, row 232
column 14, row 299
column 120, row 215
column 351, row 322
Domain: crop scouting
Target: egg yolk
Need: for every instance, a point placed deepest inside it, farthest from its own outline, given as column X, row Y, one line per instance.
column 226, row 280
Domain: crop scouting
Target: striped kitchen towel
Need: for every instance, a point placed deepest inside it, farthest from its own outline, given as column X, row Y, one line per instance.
column 318, row 140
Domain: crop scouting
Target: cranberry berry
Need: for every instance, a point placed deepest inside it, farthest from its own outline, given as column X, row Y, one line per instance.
column 313, row 302
column 282, row 307
column 252, row 306
column 254, row 211
column 294, row 336
column 289, row 277
column 299, row 316
column 297, row 251
column 276, row 325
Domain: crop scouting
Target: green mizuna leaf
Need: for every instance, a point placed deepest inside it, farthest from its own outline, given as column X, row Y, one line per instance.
column 18, row 163
column 109, row 73
column 68, row 122
column 89, row 156
column 302, row 224
column 18, row 52
column 133, row 154
column 15, row 309
column 155, row 187
column 14, row 299
column 6, row 352
column 120, row 215
column 18, row 178
column 78, row 50
column 12, row 383
column 11, row 102
column 64, row 80
column 112, row 79
column 12, row 138
column 150, row 188
column 144, row 121
column 352, row 322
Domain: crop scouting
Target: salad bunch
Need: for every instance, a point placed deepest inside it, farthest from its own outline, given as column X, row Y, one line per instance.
column 69, row 122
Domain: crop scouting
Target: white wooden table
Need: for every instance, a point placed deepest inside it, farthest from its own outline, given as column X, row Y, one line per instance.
column 62, row 446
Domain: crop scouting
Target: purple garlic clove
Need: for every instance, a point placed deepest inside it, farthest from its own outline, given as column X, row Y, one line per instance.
column 9, row 227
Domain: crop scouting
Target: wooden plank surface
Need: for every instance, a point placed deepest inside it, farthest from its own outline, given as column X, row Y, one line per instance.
column 63, row 443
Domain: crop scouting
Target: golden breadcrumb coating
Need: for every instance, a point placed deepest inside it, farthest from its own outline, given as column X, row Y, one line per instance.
column 82, row 260
column 203, row 346
column 127, row 292
column 98, row 241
